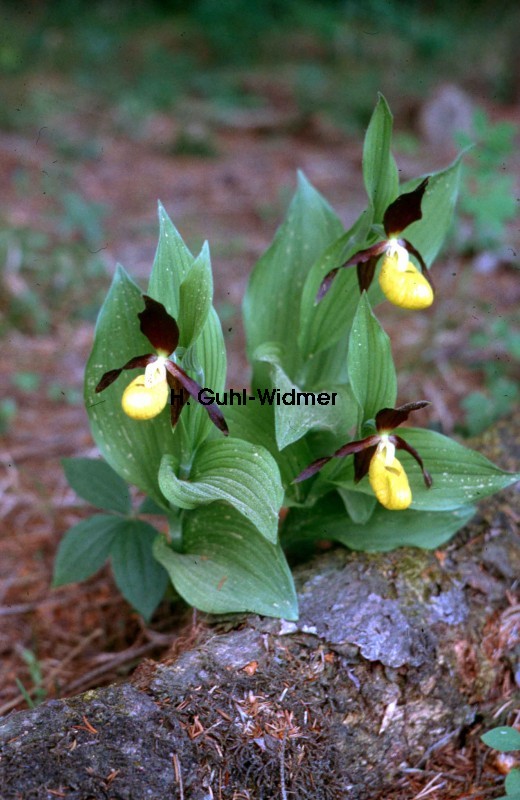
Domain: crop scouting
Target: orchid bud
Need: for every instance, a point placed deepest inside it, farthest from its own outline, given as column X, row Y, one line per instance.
column 140, row 401
column 403, row 284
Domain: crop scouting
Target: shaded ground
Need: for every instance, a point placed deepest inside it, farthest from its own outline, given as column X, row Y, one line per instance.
column 82, row 636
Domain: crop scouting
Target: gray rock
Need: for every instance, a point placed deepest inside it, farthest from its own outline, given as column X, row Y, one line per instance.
column 367, row 680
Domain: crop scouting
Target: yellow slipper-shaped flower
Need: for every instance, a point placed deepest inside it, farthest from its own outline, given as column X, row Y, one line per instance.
column 389, row 482
column 375, row 455
column 140, row 401
column 403, row 284
column 147, row 395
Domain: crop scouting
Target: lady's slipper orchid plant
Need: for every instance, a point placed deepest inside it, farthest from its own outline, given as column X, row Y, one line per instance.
column 221, row 498
column 146, row 396
column 400, row 280
column 375, row 455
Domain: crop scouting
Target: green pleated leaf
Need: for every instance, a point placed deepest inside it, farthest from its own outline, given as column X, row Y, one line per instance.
column 244, row 475
column 428, row 233
column 208, row 354
column 272, row 300
column 133, row 448
column 148, row 506
column 187, row 283
column 255, row 424
column 503, row 738
column 138, row 575
column 370, row 365
column 228, row 566
column 172, row 264
column 360, row 507
column 85, row 548
column 329, row 367
column 460, row 475
column 512, row 784
column 379, row 168
column 325, row 323
column 385, row 530
column 97, row 483
column 195, row 298
column 299, row 411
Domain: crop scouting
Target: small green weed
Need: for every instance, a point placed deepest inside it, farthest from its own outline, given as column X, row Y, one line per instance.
column 59, row 394
column 488, row 201
column 47, row 278
column 59, row 270
column 501, row 388
column 8, row 409
column 483, row 408
column 506, row 739
column 26, row 381
column 37, row 693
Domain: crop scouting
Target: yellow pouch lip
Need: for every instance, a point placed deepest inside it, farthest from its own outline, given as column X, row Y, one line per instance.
column 389, row 483
column 143, row 402
column 406, row 288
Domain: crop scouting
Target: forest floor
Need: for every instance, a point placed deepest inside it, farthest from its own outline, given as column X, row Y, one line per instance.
column 58, row 642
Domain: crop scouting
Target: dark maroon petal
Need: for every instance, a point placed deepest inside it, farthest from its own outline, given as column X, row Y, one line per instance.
column 402, row 445
column 405, row 210
column 373, row 251
column 362, row 462
column 195, row 390
column 178, row 398
column 358, row 446
column 108, row 378
column 365, row 273
column 312, row 469
column 138, row 361
column 158, row 326
column 345, row 450
column 325, row 285
column 359, row 258
column 414, row 252
column 389, row 418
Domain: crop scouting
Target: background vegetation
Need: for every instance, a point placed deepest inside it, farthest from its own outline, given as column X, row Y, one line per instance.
column 333, row 55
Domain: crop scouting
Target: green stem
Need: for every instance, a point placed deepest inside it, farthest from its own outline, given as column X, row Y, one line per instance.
column 175, row 531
